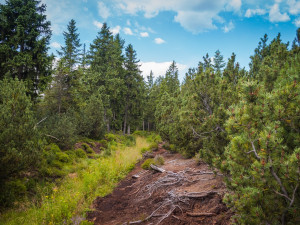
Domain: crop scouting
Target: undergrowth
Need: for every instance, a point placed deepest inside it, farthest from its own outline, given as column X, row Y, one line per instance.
column 68, row 202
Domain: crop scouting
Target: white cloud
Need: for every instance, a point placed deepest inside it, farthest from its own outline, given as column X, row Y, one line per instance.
column 252, row 12
column 159, row 41
column 228, row 27
column 115, row 30
column 159, row 68
column 297, row 22
column 144, row 34
column 194, row 15
column 294, row 7
column 103, row 10
column 276, row 16
column 234, row 5
column 98, row 24
column 128, row 31
column 55, row 45
column 128, row 23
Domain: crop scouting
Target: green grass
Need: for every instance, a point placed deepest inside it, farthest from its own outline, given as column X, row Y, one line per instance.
column 77, row 191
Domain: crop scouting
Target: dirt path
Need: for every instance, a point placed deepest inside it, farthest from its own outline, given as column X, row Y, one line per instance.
column 186, row 193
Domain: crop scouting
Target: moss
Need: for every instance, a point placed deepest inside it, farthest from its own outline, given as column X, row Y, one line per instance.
column 80, row 153
column 147, row 163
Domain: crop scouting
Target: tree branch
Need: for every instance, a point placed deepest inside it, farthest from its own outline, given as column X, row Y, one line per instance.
column 254, row 150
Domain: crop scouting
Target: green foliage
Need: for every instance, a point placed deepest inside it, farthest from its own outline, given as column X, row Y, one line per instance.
column 159, row 160
column 144, row 150
column 80, row 153
column 87, row 148
column 20, row 145
column 24, row 37
column 147, row 163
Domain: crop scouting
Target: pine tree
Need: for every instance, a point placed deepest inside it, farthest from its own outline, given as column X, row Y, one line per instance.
column 24, row 38
column 218, row 61
column 71, row 51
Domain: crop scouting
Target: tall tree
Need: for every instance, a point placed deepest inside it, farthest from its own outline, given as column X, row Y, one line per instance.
column 106, row 62
column 71, row 51
column 134, row 84
column 24, row 37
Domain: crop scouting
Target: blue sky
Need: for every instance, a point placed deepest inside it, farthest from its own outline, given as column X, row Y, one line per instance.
column 181, row 30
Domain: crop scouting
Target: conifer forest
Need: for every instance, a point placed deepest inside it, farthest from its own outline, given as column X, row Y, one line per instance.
column 74, row 124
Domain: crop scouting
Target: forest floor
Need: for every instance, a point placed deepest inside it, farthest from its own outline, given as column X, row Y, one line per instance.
column 187, row 192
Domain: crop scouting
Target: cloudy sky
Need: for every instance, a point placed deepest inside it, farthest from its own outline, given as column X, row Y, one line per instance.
column 181, row 30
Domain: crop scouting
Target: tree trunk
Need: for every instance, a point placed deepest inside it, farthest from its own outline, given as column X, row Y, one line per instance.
column 148, row 126
column 143, row 125
column 128, row 131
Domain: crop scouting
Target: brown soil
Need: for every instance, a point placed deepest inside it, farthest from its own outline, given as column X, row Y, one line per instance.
column 187, row 193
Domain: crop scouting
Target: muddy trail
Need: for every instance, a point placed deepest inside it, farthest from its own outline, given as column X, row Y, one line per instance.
column 185, row 193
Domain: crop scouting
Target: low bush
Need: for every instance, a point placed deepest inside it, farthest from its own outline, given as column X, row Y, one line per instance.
column 87, row 148
column 80, row 153
column 147, row 163
column 159, row 160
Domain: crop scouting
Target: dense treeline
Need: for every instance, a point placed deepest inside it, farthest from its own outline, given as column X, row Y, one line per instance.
column 46, row 99
column 245, row 123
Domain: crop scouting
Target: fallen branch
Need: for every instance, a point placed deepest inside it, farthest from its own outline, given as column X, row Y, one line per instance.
column 199, row 194
column 200, row 214
column 48, row 135
column 157, row 168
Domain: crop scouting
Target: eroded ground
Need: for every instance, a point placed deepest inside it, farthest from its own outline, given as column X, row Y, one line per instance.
column 186, row 193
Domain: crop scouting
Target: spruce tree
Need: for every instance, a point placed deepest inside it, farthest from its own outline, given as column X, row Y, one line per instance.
column 134, row 91
column 71, row 51
column 24, row 37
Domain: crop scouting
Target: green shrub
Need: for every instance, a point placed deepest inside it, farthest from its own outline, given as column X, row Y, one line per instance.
column 52, row 172
column 20, row 141
column 159, row 160
column 111, row 137
column 12, row 191
column 62, row 157
column 80, row 153
column 141, row 133
column 129, row 140
column 87, row 148
column 153, row 146
column 154, row 138
column 104, row 143
column 166, row 146
column 144, row 150
column 147, row 163
column 172, row 148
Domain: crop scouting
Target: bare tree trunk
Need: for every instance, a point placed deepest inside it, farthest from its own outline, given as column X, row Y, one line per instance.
column 128, row 131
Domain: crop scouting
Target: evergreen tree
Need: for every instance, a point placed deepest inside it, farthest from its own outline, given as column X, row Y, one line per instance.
column 20, row 146
column 71, row 51
column 106, row 62
column 24, row 38
column 218, row 61
column 134, row 92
